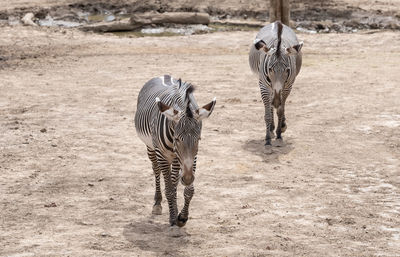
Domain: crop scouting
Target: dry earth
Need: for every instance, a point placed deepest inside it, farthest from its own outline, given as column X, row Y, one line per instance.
column 75, row 179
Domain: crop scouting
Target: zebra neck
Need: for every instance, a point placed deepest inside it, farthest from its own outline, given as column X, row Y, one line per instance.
column 171, row 130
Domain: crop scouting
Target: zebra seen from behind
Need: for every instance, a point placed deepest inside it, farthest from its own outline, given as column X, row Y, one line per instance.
column 275, row 57
column 169, row 121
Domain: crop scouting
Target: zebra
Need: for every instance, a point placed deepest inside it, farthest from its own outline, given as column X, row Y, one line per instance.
column 169, row 121
column 275, row 57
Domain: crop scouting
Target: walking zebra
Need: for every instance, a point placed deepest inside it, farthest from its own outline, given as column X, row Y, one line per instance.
column 168, row 121
column 276, row 58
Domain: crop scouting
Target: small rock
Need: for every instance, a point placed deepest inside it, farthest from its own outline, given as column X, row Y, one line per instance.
column 43, row 130
column 336, row 27
column 352, row 23
column 53, row 145
column 28, row 19
column 50, row 205
column 13, row 21
column 110, row 18
column 319, row 26
column 100, row 179
column 90, row 184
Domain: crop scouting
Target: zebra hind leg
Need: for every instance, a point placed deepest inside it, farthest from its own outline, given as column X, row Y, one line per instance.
column 266, row 97
column 284, row 126
column 157, row 208
column 272, row 128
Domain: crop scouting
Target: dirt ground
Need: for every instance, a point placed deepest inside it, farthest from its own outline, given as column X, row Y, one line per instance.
column 75, row 179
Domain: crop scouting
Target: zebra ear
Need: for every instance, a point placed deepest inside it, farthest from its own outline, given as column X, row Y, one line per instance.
column 167, row 110
column 206, row 110
column 260, row 44
column 294, row 49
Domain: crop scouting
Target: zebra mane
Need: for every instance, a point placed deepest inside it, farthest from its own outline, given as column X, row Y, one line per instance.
column 185, row 90
column 189, row 112
column 279, row 31
column 189, row 98
column 189, row 90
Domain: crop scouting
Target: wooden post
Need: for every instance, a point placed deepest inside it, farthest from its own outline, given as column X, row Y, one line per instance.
column 285, row 12
column 274, row 10
column 279, row 11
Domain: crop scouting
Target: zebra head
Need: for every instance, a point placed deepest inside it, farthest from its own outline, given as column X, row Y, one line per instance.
column 187, row 131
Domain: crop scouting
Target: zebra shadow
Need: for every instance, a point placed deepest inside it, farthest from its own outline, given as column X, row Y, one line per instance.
column 156, row 238
column 256, row 146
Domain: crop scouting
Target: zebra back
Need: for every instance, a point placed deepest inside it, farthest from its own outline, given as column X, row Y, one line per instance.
column 269, row 34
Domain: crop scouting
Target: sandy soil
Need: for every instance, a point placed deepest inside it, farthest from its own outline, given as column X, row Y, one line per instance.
column 75, row 179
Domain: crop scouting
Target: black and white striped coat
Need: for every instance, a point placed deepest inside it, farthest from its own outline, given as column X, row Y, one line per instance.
column 275, row 57
column 168, row 121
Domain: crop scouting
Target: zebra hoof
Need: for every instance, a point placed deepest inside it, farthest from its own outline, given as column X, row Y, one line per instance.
column 284, row 127
column 157, row 210
column 180, row 221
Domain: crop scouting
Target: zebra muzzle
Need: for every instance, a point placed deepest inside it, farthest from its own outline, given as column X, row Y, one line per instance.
column 276, row 102
column 187, row 180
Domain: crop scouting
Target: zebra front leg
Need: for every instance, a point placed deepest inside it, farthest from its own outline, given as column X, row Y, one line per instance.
column 187, row 194
column 272, row 128
column 157, row 209
column 281, row 122
column 184, row 215
column 175, row 179
column 165, row 168
column 268, row 117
